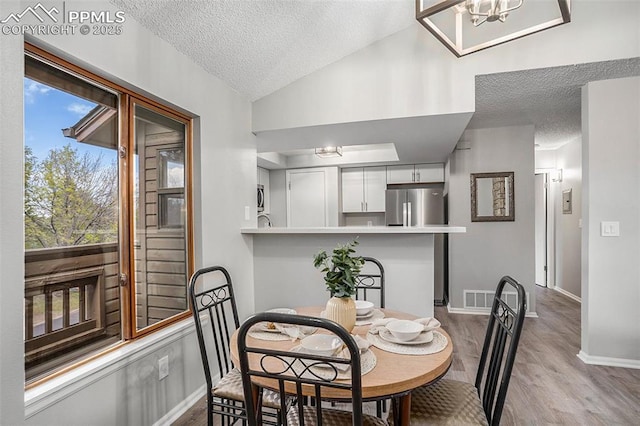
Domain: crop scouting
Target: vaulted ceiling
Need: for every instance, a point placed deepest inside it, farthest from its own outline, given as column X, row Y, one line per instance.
column 260, row 46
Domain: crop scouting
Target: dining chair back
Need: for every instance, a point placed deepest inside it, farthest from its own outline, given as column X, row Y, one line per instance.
column 448, row 401
column 371, row 278
column 503, row 335
column 289, row 372
column 213, row 305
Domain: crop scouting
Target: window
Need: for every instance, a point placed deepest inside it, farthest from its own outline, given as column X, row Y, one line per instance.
column 107, row 214
column 171, row 187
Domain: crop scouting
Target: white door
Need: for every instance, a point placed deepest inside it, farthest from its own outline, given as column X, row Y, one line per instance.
column 306, row 198
column 540, row 209
column 352, row 190
column 375, row 184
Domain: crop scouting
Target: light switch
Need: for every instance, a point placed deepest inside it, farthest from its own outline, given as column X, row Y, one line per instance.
column 610, row 229
column 247, row 213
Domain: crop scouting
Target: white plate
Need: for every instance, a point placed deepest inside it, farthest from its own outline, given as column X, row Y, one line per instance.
column 283, row 311
column 424, row 338
column 365, row 316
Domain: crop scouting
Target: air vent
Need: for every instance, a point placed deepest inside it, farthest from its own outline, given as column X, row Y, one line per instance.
column 482, row 300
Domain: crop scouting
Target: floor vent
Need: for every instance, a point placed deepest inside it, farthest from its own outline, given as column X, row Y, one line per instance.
column 483, row 299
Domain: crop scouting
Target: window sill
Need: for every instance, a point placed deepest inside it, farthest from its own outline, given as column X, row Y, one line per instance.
column 53, row 391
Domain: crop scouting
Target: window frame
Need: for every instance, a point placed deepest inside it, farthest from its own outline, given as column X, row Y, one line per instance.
column 127, row 98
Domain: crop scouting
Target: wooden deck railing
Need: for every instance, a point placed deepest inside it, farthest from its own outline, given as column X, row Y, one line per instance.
column 71, row 299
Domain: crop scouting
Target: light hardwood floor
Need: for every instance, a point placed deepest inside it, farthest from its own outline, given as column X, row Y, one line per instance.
column 549, row 385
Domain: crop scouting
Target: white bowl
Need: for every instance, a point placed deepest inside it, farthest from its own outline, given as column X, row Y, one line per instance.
column 363, row 307
column 283, row 311
column 405, row 330
column 321, row 344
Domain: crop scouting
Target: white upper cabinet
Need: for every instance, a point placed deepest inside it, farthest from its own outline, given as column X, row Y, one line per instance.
column 416, row 173
column 375, row 184
column 428, row 173
column 363, row 189
column 400, row 174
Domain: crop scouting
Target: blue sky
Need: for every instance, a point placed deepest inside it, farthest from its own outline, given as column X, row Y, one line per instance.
column 46, row 112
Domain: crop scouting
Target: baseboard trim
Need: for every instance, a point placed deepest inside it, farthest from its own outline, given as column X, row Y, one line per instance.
column 566, row 293
column 608, row 361
column 182, row 407
column 467, row 311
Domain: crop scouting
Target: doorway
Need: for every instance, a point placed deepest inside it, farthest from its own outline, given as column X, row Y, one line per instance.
column 543, row 213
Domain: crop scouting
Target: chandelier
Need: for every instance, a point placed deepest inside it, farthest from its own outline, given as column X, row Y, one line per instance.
column 458, row 24
column 481, row 11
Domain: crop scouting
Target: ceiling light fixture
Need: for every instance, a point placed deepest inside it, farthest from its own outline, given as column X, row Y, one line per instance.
column 458, row 23
column 481, row 11
column 329, row 151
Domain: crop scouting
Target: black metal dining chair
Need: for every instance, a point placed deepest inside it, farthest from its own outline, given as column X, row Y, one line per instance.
column 214, row 308
column 371, row 278
column 292, row 370
column 454, row 402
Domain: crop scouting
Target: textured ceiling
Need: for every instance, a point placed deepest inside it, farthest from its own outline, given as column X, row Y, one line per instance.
column 549, row 98
column 260, row 46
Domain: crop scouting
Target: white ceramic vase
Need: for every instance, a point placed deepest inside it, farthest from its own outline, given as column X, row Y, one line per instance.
column 343, row 311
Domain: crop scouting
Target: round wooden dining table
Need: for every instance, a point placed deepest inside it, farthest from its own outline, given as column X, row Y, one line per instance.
column 394, row 375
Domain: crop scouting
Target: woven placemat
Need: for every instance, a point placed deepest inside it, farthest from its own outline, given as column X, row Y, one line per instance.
column 438, row 343
column 257, row 332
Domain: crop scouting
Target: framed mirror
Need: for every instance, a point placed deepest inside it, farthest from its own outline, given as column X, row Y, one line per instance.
column 492, row 198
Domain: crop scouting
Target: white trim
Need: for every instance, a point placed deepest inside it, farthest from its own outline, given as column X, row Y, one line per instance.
column 467, row 311
column 609, row 361
column 567, row 294
column 55, row 390
column 182, row 407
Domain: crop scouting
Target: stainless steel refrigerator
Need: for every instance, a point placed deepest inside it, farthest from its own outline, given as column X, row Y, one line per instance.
column 420, row 207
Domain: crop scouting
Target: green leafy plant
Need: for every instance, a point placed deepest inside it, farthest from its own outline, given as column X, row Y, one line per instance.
column 341, row 269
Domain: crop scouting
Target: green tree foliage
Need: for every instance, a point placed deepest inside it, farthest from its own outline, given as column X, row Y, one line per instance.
column 70, row 199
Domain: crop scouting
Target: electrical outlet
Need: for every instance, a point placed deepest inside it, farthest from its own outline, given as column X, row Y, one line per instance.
column 163, row 367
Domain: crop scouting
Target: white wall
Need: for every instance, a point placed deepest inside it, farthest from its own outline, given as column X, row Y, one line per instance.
column 611, row 192
column 285, row 275
column 567, row 226
column 224, row 153
column 411, row 74
column 489, row 250
column 11, row 231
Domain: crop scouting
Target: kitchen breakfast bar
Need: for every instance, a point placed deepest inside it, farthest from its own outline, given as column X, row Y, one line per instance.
column 284, row 274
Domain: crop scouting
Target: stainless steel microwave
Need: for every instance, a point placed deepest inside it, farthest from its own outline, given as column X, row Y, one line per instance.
column 260, row 198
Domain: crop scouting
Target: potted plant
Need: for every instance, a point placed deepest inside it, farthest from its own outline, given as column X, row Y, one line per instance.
column 340, row 273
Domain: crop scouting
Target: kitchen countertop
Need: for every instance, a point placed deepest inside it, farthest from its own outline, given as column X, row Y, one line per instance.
column 433, row 229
